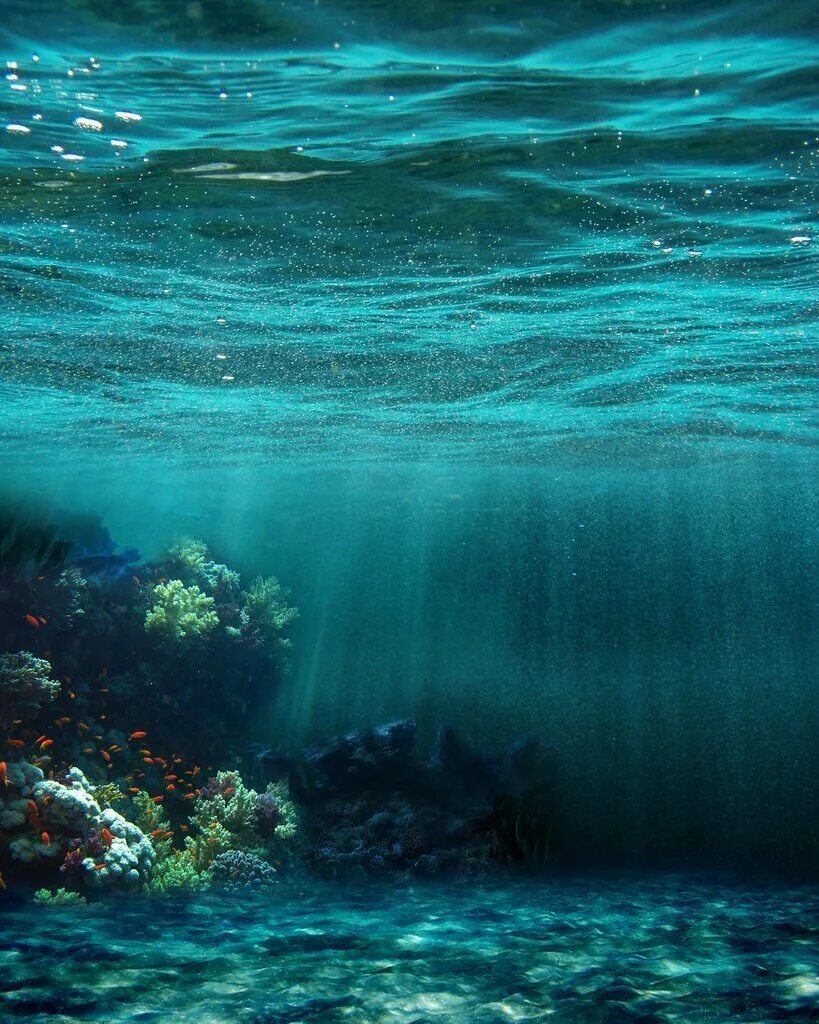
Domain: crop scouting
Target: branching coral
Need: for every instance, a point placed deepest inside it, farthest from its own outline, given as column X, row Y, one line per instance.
column 188, row 557
column 25, row 684
column 265, row 608
column 180, row 612
column 59, row 898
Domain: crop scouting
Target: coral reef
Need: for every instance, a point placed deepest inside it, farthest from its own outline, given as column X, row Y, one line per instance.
column 235, row 871
column 265, row 609
column 25, row 685
column 47, row 819
column 180, row 612
column 59, row 898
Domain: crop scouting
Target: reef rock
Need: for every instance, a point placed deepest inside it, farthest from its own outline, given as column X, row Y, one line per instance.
column 379, row 757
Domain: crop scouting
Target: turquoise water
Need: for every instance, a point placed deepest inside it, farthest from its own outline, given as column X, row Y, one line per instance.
column 490, row 329
column 433, row 233
column 588, row 951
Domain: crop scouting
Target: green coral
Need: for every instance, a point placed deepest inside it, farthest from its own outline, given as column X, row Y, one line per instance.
column 188, row 556
column 59, row 898
column 108, row 795
column 231, row 804
column 181, row 612
column 265, row 608
column 177, row 871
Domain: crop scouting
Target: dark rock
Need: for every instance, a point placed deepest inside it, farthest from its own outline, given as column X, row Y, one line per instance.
column 378, row 758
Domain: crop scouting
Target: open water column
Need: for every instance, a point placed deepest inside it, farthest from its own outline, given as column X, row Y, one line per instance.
column 408, row 511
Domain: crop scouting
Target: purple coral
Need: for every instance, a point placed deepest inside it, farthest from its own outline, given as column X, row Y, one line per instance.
column 219, row 787
column 266, row 815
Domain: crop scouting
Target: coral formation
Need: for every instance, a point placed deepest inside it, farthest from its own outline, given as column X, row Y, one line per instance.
column 180, row 612
column 59, row 898
column 235, row 871
column 51, row 819
column 25, row 684
column 265, row 609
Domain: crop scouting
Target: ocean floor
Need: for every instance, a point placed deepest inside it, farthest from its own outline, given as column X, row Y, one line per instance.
column 645, row 950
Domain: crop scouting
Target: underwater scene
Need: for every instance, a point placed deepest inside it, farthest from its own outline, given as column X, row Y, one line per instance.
column 408, row 511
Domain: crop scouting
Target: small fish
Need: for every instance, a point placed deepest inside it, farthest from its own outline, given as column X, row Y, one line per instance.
column 171, row 778
column 72, row 695
column 64, row 720
column 148, row 760
column 83, row 726
column 157, row 799
column 146, row 753
column 171, row 787
column 46, row 744
column 139, row 735
column 46, row 838
column 190, row 796
column 157, row 832
column 41, row 762
column 184, row 828
column 41, row 738
column 32, row 621
column 136, row 581
column 108, row 836
column 229, row 790
column 134, row 789
column 17, row 743
column 2, row 882
column 88, row 750
column 99, row 867
column 3, row 775
column 43, row 621
column 106, row 756
column 114, row 748
column 32, row 806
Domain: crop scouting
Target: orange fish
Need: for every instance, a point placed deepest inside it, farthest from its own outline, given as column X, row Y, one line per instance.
column 157, row 832
column 106, row 756
column 157, row 799
column 134, row 789
column 17, row 743
column 32, row 621
column 184, row 828
column 41, row 738
column 190, row 796
column 46, row 744
column 46, row 838
column 64, row 720
column 33, row 807
column 167, row 835
column 83, row 726
column 114, row 748
column 145, row 753
column 99, row 867
column 139, row 735
column 3, row 775
column 88, row 750
column 229, row 790
column 108, row 836
column 171, row 778
column 171, row 787
column 148, row 760
column 2, row 881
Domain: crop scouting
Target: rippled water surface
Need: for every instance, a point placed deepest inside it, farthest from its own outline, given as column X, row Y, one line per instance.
column 512, row 233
